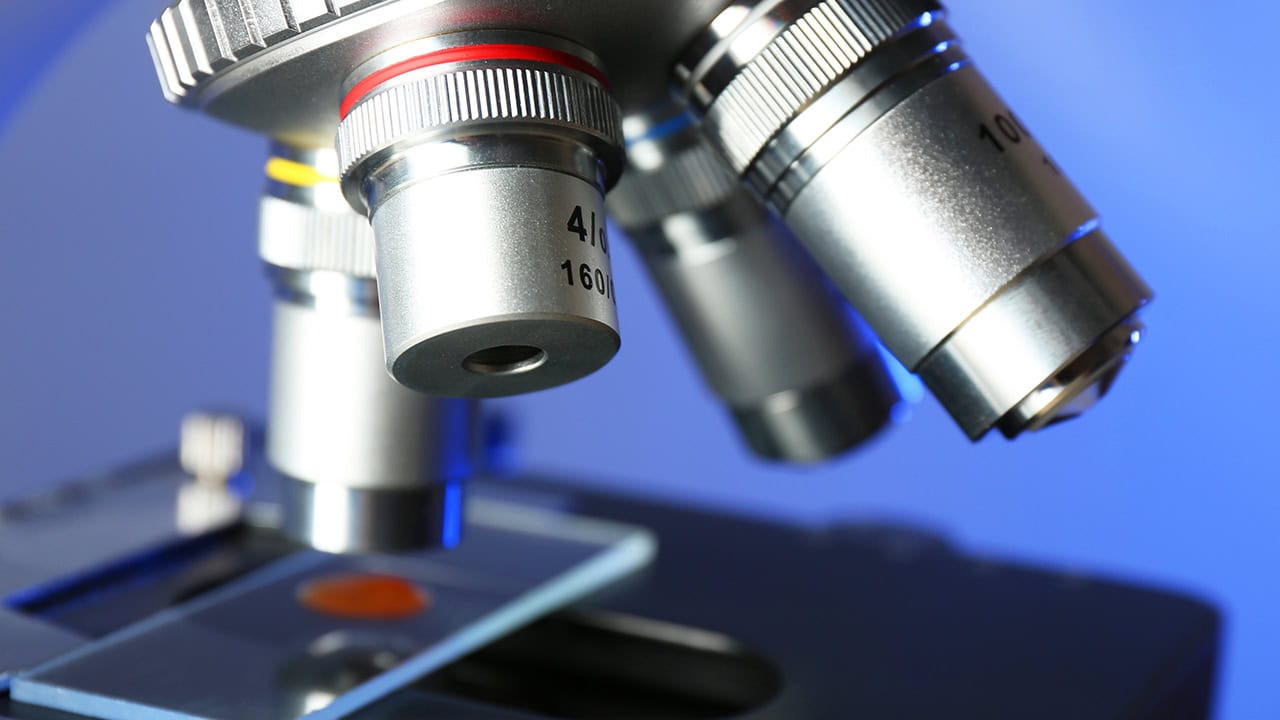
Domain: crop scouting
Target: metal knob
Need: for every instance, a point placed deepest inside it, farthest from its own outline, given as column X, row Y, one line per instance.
column 212, row 447
column 211, row 450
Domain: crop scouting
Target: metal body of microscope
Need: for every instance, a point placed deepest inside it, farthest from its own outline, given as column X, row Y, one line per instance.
column 434, row 229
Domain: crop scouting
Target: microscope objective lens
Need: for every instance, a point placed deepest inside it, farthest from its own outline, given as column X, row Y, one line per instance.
column 867, row 128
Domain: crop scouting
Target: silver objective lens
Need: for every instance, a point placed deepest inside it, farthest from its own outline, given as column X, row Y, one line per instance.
column 369, row 465
column 481, row 159
column 927, row 200
column 803, row 381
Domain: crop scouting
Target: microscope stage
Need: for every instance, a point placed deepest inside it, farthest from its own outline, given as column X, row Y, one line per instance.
column 323, row 635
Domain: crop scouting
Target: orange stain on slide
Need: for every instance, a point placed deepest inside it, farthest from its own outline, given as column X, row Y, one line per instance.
column 364, row 597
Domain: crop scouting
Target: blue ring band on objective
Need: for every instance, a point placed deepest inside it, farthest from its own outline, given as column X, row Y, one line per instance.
column 664, row 128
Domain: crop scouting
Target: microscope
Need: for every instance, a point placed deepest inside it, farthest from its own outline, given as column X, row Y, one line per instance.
column 811, row 184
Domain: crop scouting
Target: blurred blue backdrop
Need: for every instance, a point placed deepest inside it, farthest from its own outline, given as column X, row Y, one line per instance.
column 132, row 292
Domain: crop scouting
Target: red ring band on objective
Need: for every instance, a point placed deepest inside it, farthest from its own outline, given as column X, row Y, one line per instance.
column 462, row 54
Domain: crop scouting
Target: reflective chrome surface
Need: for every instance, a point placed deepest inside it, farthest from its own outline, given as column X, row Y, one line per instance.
column 336, row 417
column 342, row 519
column 1021, row 349
column 372, row 465
column 1079, row 385
column 820, row 421
column 802, row 379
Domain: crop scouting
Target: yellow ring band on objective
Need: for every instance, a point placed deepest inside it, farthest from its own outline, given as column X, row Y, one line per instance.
column 291, row 172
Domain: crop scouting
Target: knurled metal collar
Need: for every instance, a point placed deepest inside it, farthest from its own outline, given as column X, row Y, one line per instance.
column 803, row 58
column 459, row 96
column 667, row 176
column 293, row 236
column 693, row 180
column 193, row 39
column 304, row 222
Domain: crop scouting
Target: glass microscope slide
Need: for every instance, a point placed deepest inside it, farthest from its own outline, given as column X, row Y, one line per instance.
column 293, row 640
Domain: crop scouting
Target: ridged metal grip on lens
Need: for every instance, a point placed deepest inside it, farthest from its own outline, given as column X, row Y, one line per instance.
column 304, row 223
column 801, row 62
column 278, row 66
column 299, row 237
column 193, row 39
column 476, row 95
column 693, row 179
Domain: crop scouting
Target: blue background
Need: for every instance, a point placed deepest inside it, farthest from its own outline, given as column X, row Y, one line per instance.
column 131, row 292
